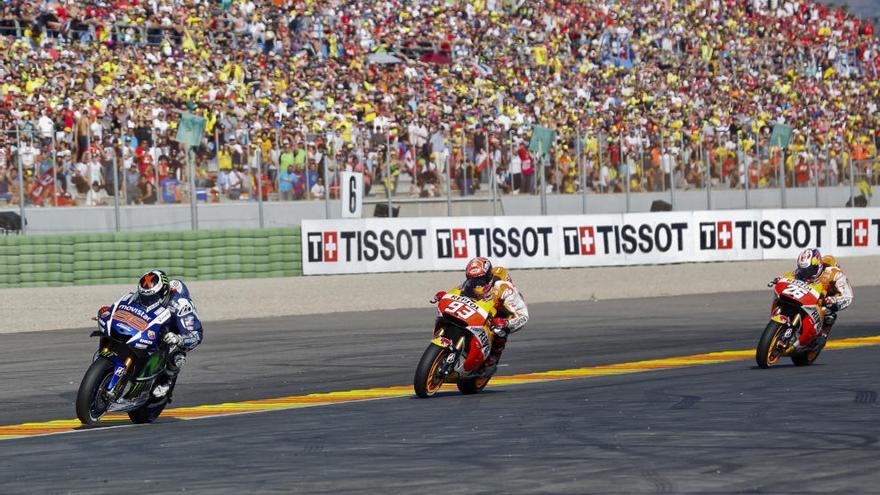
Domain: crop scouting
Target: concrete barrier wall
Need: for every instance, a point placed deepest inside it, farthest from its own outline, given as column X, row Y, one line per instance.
column 830, row 197
column 245, row 214
column 89, row 259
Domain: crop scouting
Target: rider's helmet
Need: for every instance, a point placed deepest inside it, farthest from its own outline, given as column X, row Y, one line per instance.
column 809, row 265
column 153, row 288
column 479, row 277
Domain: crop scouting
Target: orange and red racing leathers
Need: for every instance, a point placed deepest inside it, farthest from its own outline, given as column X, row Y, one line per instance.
column 837, row 290
column 509, row 301
column 511, row 316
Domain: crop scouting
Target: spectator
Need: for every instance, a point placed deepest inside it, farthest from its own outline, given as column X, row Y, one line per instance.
column 132, row 185
column 14, row 187
column 318, row 189
column 299, row 183
column 96, row 195
column 147, row 191
column 235, row 183
column 5, row 187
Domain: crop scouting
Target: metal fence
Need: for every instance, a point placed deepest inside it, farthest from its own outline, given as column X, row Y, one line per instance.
column 236, row 164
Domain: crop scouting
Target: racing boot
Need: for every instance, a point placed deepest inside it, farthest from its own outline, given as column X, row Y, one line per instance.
column 175, row 363
column 162, row 388
column 827, row 323
column 491, row 364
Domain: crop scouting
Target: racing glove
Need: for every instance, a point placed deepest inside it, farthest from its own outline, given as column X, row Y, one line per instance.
column 172, row 339
column 831, row 305
column 499, row 327
column 437, row 297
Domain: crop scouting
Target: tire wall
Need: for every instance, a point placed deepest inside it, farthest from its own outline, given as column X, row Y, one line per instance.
column 119, row 258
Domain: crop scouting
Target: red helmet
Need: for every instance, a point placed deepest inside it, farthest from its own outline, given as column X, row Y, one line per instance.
column 809, row 265
column 479, row 277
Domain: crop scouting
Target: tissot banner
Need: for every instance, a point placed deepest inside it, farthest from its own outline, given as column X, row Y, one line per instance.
column 426, row 244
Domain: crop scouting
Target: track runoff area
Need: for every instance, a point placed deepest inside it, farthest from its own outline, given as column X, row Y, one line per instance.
column 594, row 397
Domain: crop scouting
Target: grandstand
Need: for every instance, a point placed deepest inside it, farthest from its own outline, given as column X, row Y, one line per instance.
column 431, row 100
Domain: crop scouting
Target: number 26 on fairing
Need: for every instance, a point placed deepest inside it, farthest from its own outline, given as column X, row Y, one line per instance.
column 795, row 291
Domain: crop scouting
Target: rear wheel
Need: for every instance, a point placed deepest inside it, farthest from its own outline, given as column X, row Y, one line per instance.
column 91, row 401
column 473, row 385
column 768, row 352
column 427, row 380
column 806, row 358
column 150, row 411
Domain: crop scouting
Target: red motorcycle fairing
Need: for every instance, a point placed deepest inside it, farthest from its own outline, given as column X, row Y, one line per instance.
column 808, row 297
column 808, row 330
column 475, row 356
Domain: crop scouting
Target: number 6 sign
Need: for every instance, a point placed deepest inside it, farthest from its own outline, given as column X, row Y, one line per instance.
column 352, row 196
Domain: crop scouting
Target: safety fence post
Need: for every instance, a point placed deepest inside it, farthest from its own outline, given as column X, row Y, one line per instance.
column 852, row 182
column 21, row 181
column 388, row 174
column 707, row 168
column 582, row 156
column 623, row 163
column 448, row 173
column 116, row 190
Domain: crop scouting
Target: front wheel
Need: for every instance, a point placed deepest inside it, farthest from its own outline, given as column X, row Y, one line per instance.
column 91, row 401
column 428, row 380
column 768, row 352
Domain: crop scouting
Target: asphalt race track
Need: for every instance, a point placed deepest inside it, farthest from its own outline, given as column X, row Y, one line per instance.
column 720, row 428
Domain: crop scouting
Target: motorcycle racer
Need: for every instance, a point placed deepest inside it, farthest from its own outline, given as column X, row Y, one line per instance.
column 485, row 282
column 813, row 268
column 155, row 289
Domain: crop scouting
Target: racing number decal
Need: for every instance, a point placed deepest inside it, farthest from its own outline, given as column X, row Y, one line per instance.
column 795, row 291
column 460, row 310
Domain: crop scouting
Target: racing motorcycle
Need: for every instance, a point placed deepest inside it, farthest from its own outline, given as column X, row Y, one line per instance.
column 461, row 331
column 127, row 365
column 798, row 308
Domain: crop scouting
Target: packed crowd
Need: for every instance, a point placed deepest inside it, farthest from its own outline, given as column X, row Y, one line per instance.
column 295, row 91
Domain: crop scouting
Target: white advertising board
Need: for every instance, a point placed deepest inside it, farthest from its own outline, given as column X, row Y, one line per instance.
column 427, row 244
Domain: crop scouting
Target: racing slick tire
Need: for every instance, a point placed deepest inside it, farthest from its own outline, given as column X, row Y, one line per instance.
column 764, row 354
column 150, row 411
column 90, row 403
column 426, row 381
column 473, row 385
column 806, row 357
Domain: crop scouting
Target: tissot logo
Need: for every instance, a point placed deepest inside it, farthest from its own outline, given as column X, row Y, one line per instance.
column 498, row 242
column 452, row 243
column 323, row 246
column 766, row 234
column 331, row 246
column 459, row 243
column 579, row 240
column 716, row 235
column 857, row 232
column 588, row 240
